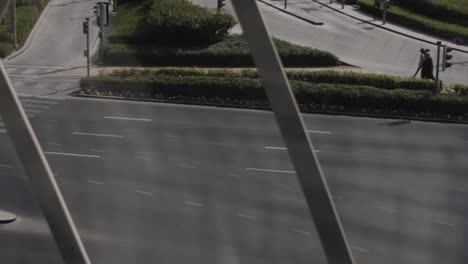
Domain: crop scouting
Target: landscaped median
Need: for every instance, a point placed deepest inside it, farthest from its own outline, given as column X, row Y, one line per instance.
column 315, row 91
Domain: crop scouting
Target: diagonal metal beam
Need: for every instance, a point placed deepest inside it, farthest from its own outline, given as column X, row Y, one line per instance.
column 3, row 7
column 37, row 168
column 292, row 128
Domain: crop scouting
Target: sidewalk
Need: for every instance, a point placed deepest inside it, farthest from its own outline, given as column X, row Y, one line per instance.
column 301, row 8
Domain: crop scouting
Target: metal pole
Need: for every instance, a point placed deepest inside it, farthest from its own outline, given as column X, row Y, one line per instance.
column 284, row 106
column 13, row 22
column 101, row 32
column 384, row 13
column 42, row 179
column 87, row 48
column 342, row 4
column 115, row 6
column 437, row 67
column 285, row 4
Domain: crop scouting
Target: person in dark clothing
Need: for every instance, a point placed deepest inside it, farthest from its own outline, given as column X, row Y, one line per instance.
column 428, row 66
column 422, row 58
column 377, row 9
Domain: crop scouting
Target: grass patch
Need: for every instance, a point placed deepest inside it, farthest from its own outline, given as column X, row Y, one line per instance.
column 26, row 19
column 145, row 34
column 427, row 24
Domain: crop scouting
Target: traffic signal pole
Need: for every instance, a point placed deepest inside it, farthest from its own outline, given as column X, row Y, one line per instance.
column 13, row 22
column 437, row 88
column 101, row 31
column 87, row 48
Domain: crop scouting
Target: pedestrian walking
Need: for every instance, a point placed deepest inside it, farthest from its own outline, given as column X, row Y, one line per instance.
column 428, row 66
column 377, row 4
column 422, row 58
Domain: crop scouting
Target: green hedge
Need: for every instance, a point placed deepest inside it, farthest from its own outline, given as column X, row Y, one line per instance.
column 419, row 22
column 232, row 51
column 169, row 22
column 351, row 78
column 461, row 90
column 247, row 91
column 455, row 11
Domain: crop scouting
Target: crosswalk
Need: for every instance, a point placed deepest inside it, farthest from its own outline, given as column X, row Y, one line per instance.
column 33, row 107
column 30, row 71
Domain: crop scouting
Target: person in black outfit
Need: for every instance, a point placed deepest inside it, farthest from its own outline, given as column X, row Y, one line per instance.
column 377, row 9
column 428, row 66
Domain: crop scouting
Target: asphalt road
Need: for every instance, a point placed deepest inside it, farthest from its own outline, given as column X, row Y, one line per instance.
column 182, row 184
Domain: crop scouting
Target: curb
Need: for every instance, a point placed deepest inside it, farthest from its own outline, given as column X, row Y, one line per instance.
column 32, row 34
column 384, row 28
column 267, row 108
column 292, row 14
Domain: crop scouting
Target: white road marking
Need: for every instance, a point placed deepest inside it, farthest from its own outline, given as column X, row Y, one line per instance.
column 3, row 131
column 96, row 135
column 142, row 158
column 194, row 204
column 95, row 182
column 128, row 118
column 360, row 249
column 336, row 197
column 72, row 154
column 10, row 70
column 247, row 216
column 55, row 144
column 143, row 192
column 275, row 148
column 232, row 175
column 97, row 150
column 284, row 186
column 458, row 189
column 269, row 170
column 444, row 223
column 37, row 107
column 6, row 166
column 29, row 71
column 386, row 209
column 318, row 132
column 187, row 166
column 283, row 148
column 301, row 232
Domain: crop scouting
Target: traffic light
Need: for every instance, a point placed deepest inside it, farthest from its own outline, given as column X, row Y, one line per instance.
column 446, row 58
column 221, row 3
column 85, row 27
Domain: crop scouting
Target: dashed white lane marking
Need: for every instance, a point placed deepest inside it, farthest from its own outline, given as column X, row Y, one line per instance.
column 336, row 197
column 141, row 158
column 97, row 135
column 301, row 231
column 283, row 148
column 95, row 182
column 194, row 204
column 455, row 188
column 318, row 132
column 187, row 166
column 386, row 209
column 3, row 131
column 72, row 154
column 360, row 249
column 54, row 144
column 29, row 71
column 269, row 170
column 6, row 166
column 247, row 216
column 275, row 148
column 128, row 118
column 232, row 175
column 444, row 223
column 97, row 150
column 284, row 186
column 143, row 192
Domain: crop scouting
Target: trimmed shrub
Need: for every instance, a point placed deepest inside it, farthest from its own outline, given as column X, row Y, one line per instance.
column 350, row 78
column 250, row 91
column 461, row 90
column 232, row 51
column 169, row 22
